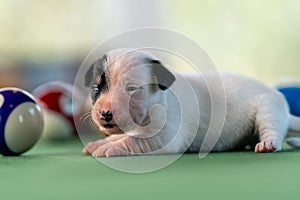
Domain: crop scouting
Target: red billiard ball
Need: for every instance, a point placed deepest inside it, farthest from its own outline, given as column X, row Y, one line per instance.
column 61, row 104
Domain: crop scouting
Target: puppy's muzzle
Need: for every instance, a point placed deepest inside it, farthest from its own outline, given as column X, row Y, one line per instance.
column 106, row 115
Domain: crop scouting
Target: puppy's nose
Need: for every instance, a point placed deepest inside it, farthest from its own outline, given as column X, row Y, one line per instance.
column 106, row 115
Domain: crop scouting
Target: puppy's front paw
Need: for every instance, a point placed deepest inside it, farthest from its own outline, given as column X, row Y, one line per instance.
column 92, row 146
column 109, row 147
column 268, row 146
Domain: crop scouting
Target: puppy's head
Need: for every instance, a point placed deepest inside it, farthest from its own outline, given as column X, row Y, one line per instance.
column 124, row 85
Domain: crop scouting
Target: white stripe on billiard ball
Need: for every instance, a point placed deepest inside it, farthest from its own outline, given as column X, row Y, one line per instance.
column 23, row 127
column 1, row 100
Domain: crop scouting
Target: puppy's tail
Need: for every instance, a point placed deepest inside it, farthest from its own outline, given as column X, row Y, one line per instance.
column 294, row 126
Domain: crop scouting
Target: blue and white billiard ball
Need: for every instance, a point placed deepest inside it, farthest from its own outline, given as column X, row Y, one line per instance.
column 21, row 121
column 292, row 96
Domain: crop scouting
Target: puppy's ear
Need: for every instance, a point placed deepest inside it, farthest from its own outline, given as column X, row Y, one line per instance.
column 164, row 77
column 96, row 68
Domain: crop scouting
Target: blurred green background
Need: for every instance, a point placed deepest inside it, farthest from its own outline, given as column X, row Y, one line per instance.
column 43, row 41
column 257, row 38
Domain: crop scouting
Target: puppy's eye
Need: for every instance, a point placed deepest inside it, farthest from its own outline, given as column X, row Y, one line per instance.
column 95, row 93
column 95, row 88
column 132, row 88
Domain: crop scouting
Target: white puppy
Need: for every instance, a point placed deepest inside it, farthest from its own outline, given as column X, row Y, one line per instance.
column 144, row 108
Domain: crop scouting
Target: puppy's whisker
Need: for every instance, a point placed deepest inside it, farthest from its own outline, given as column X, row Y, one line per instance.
column 87, row 119
column 87, row 113
column 85, row 116
column 92, row 124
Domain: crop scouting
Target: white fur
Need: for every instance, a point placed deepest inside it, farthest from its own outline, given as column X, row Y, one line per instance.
column 256, row 116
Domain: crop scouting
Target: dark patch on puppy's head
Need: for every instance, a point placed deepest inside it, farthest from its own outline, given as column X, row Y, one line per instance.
column 97, row 68
column 164, row 77
column 96, row 79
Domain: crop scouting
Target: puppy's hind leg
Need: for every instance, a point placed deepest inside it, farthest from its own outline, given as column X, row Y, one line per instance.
column 271, row 122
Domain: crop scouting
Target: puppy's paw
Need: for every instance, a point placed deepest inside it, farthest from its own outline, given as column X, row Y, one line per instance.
column 92, row 146
column 111, row 146
column 110, row 149
column 268, row 146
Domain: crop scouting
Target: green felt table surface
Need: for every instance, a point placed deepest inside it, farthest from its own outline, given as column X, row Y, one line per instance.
column 58, row 170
